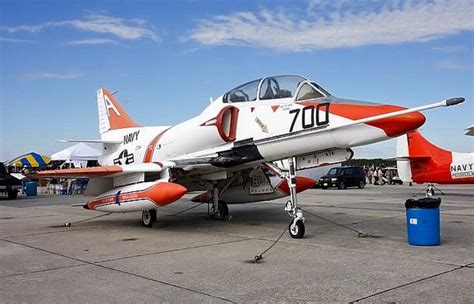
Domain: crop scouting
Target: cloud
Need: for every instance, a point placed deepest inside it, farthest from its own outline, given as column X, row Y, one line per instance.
column 343, row 24
column 93, row 41
column 128, row 29
column 450, row 64
column 47, row 75
column 451, row 48
column 14, row 40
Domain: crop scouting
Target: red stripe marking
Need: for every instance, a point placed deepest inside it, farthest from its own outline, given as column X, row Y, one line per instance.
column 151, row 147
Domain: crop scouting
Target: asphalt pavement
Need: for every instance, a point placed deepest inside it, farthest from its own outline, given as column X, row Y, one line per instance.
column 355, row 250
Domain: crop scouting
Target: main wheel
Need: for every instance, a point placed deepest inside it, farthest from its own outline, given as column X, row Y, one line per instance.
column 341, row 185
column 148, row 217
column 361, row 184
column 222, row 209
column 12, row 194
column 297, row 230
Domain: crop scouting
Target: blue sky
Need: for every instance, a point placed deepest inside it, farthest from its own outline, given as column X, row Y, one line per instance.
column 166, row 58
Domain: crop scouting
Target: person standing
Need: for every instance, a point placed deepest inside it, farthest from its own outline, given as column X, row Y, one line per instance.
column 370, row 174
column 380, row 176
column 376, row 176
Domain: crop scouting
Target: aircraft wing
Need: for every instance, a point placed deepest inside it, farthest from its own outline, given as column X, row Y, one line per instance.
column 106, row 171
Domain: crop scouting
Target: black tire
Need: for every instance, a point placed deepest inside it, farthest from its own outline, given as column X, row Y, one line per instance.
column 341, row 185
column 12, row 194
column 222, row 209
column 324, row 187
column 148, row 217
column 361, row 184
column 298, row 230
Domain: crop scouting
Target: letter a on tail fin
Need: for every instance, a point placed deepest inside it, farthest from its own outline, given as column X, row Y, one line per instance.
column 111, row 114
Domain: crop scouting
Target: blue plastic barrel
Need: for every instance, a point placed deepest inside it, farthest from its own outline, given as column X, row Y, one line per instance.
column 423, row 221
column 31, row 189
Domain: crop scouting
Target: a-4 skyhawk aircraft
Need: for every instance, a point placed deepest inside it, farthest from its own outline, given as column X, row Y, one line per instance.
column 226, row 151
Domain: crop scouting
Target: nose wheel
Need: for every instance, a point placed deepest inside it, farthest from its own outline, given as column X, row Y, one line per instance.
column 296, row 229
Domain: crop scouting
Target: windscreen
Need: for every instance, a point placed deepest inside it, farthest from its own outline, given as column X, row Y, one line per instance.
column 335, row 171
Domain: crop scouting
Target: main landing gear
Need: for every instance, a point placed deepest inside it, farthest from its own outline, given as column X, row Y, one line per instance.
column 148, row 217
column 218, row 208
column 296, row 227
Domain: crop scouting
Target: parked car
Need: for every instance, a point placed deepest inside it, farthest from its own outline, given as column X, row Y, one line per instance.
column 343, row 177
column 8, row 184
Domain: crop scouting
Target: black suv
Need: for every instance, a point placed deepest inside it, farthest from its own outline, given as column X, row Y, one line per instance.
column 8, row 184
column 343, row 177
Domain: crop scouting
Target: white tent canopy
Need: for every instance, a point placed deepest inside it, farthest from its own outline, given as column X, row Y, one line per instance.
column 78, row 154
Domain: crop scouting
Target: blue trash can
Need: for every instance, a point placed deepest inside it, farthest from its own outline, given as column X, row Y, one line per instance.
column 31, row 189
column 423, row 221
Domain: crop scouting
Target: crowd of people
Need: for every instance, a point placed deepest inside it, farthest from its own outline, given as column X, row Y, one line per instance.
column 379, row 175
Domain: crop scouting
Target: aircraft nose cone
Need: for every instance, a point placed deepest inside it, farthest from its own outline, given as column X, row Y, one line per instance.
column 398, row 125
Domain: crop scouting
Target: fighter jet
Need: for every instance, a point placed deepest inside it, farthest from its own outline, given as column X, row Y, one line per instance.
column 226, row 152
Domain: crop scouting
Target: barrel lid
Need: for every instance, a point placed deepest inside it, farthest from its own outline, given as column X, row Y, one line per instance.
column 424, row 203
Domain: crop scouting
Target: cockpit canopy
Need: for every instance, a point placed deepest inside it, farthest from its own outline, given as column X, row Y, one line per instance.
column 276, row 87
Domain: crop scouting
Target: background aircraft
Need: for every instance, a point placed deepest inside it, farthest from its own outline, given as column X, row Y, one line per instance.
column 226, row 150
column 420, row 161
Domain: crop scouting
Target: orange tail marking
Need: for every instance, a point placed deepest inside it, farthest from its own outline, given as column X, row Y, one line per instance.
column 118, row 118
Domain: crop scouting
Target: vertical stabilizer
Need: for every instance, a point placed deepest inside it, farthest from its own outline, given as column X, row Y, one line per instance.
column 111, row 114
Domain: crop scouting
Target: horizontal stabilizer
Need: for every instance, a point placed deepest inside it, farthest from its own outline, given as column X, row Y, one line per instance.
column 415, row 158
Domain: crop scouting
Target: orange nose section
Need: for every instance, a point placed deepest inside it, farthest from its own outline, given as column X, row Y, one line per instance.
column 302, row 183
column 398, row 125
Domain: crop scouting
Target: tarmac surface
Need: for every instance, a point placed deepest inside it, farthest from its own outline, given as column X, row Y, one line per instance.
column 188, row 257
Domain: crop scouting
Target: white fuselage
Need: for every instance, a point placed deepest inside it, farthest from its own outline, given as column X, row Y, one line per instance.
column 256, row 120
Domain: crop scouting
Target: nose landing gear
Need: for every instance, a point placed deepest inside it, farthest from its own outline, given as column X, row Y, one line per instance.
column 296, row 227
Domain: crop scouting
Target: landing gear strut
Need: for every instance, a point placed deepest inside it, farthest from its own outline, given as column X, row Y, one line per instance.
column 219, row 208
column 148, row 217
column 296, row 227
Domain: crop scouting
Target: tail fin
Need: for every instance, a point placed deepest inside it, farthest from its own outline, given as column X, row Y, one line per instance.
column 420, row 148
column 111, row 114
column 416, row 155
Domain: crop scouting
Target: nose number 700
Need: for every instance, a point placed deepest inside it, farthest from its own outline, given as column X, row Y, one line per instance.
column 311, row 116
